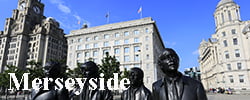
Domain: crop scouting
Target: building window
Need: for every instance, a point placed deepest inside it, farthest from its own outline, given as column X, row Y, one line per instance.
column 225, row 43
column 126, row 50
column 226, row 54
column 79, row 47
column 147, row 56
column 126, row 33
column 146, row 38
column 78, row 55
column 147, row 66
column 223, row 33
column 87, row 46
column 126, row 58
column 222, row 17
column 96, row 38
column 237, row 53
column 239, row 66
column 147, row 47
column 241, row 78
column 117, row 51
column 87, row 38
column 80, row 40
column 137, row 65
column 146, row 30
column 126, row 41
column 237, row 13
column 117, row 35
column 106, row 36
column 95, row 45
column 87, row 54
column 136, row 32
column 117, row 42
column 148, row 79
column 235, row 41
column 95, row 53
column 95, row 60
column 126, row 67
column 229, row 16
column 136, row 40
column 137, row 49
column 105, row 51
column 233, row 31
column 229, row 67
column 105, row 44
column 12, row 45
column 137, row 57
column 231, row 79
column 117, row 58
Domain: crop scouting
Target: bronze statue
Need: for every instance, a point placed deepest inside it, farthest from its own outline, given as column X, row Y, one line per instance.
column 174, row 85
column 51, row 70
column 137, row 90
column 90, row 70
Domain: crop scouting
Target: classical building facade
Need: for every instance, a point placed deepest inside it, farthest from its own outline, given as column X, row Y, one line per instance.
column 135, row 43
column 29, row 35
column 225, row 58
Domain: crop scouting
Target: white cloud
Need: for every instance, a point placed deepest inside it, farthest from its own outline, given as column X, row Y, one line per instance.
column 56, row 1
column 69, row 21
column 77, row 17
column 196, row 52
column 170, row 44
column 64, row 8
column 61, row 6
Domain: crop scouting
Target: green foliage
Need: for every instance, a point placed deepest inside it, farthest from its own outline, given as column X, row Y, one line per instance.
column 76, row 72
column 125, row 73
column 35, row 70
column 109, row 66
column 5, row 77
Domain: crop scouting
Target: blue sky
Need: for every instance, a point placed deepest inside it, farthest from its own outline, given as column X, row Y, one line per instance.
column 182, row 23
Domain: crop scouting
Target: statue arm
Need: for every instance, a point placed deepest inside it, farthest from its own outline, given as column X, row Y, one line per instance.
column 149, row 97
column 154, row 93
column 201, row 94
column 108, row 95
column 63, row 94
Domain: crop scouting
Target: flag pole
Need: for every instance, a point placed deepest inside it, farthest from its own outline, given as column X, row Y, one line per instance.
column 107, row 16
column 141, row 12
column 79, row 24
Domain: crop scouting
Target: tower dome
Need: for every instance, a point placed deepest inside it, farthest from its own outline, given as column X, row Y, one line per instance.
column 224, row 2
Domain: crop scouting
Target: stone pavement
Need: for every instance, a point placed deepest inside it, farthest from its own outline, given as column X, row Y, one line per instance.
column 227, row 97
column 210, row 97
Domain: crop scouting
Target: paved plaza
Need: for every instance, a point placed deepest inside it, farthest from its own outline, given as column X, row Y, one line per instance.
column 210, row 97
column 227, row 97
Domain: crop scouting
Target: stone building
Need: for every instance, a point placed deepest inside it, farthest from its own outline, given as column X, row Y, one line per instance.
column 29, row 35
column 193, row 72
column 225, row 58
column 135, row 43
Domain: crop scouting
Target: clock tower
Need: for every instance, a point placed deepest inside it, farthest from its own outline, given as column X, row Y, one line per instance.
column 30, row 36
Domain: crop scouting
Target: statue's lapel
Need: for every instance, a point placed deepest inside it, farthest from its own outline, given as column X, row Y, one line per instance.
column 163, row 93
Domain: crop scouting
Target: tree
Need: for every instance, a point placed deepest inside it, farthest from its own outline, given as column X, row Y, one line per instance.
column 125, row 73
column 109, row 66
column 35, row 70
column 5, row 78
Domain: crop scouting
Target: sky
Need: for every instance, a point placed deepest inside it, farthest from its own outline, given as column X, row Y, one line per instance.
column 183, row 24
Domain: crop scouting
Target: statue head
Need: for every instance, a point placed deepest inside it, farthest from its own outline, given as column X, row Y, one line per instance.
column 52, row 69
column 89, row 69
column 168, row 61
column 136, row 77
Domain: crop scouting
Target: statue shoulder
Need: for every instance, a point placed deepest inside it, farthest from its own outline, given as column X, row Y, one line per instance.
column 158, row 83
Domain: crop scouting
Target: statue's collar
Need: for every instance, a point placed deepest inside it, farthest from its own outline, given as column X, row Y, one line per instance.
column 179, row 78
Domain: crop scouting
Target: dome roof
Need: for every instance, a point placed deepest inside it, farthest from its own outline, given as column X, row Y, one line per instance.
column 224, row 2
